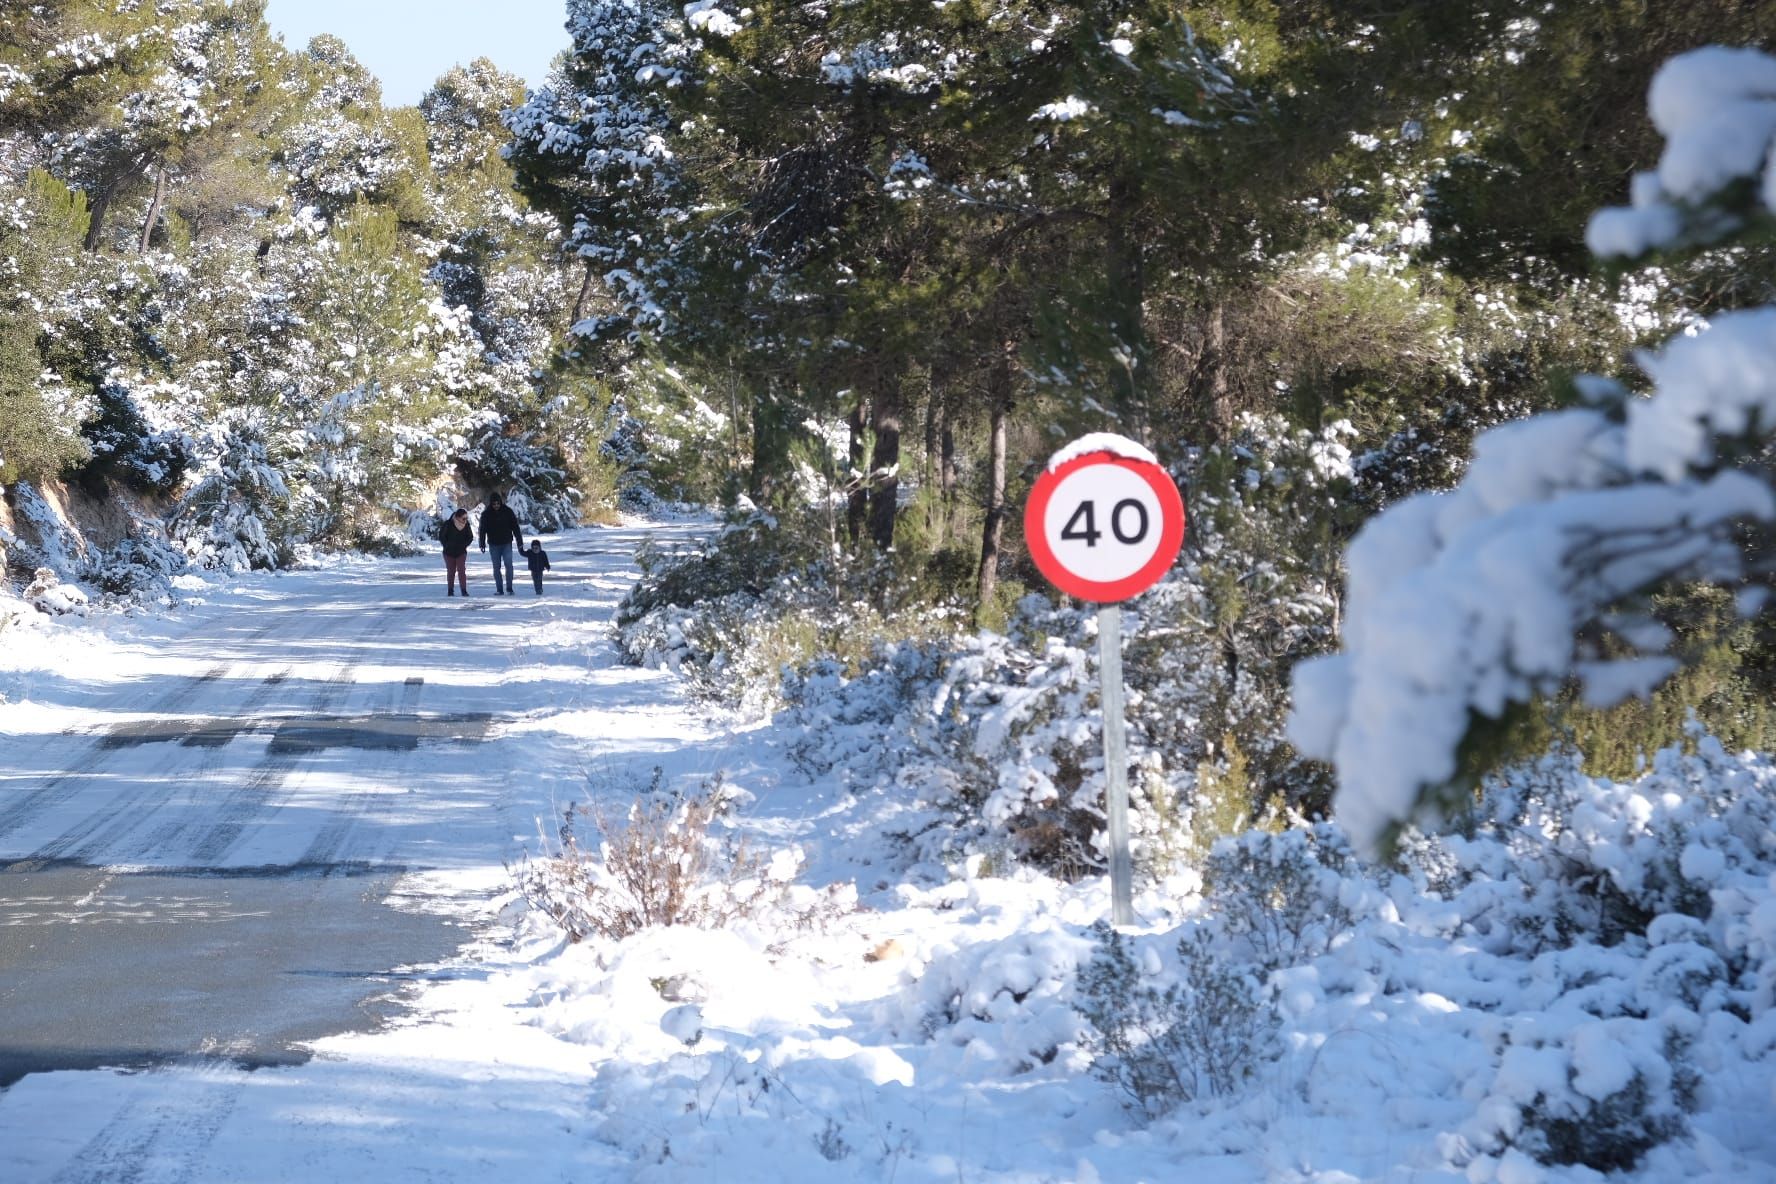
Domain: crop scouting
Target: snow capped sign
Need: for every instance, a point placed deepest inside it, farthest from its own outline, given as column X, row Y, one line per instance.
column 1104, row 521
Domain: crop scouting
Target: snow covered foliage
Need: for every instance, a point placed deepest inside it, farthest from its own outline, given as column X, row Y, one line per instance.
column 206, row 228
column 1716, row 108
column 1636, row 911
column 223, row 521
column 140, row 568
column 1001, row 734
column 126, row 447
column 1567, row 965
column 1200, row 1035
column 46, row 593
column 1465, row 604
column 760, row 598
column 1578, row 981
column 592, row 147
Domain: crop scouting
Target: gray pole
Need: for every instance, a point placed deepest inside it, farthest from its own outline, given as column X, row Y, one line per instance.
column 1116, row 794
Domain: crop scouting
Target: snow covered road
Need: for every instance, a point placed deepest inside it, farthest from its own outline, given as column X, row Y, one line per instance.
column 240, row 828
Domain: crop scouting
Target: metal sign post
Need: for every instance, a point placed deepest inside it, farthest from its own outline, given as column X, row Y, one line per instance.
column 1116, row 790
column 1104, row 522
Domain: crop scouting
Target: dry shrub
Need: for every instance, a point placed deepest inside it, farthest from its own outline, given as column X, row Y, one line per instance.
column 657, row 865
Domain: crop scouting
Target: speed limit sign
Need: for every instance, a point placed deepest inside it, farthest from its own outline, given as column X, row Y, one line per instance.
column 1104, row 521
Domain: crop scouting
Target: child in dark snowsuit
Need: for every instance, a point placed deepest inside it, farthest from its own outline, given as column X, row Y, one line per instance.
column 539, row 563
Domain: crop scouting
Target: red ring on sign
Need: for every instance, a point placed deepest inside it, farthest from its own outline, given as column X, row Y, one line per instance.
column 1171, row 530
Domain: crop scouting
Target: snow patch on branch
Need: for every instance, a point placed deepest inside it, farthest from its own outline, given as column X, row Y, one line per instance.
column 1717, row 109
column 1069, row 108
column 1101, row 442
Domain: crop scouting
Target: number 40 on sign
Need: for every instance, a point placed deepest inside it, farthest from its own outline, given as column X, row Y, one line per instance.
column 1103, row 523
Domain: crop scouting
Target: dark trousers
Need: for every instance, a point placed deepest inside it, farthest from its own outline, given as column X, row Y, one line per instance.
column 456, row 567
column 536, row 577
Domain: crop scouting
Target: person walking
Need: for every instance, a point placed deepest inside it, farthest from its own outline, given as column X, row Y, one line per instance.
column 499, row 530
column 456, row 535
column 539, row 563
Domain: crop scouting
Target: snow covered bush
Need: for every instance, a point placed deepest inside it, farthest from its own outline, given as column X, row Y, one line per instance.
column 1200, row 1028
column 1166, row 1039
column 1612, row 862
column 126, row 447
column 47, row 594
column 1001, row 732
column 660, row 864
column 1539, row 569
column 1636, row 920
column 1281, row 898
column 139, row 566
column 223, row 521
column 532, row 479
column 761, row 598
column 1573, row 1089
column 1581, row 969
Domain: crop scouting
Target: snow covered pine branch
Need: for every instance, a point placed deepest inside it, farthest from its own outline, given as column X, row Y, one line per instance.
column 1462, row 604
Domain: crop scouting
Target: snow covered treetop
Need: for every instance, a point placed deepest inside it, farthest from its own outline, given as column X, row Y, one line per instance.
column 1462, row 604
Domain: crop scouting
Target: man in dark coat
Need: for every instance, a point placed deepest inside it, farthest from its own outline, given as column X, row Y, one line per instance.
column 456, row 535
column 500, row 530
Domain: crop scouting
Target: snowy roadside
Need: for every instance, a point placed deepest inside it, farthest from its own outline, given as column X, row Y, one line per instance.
column 934, row 1031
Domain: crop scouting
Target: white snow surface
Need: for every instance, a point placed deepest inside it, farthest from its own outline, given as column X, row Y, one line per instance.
column 1101, row 442
column 928, row 1036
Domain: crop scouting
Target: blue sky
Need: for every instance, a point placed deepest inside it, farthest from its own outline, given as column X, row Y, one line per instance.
column 408, row 43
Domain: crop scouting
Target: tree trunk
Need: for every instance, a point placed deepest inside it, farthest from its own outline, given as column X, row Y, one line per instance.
column 857, row 500
column 734, row 460
column 579, row 308
column 153, row 218
column 946, row 478
column 1128, row 294
column 770, row 447
column 885, row 417
column 1220, row 398
column 95, row 228
column 999, row 388
column 934, row 524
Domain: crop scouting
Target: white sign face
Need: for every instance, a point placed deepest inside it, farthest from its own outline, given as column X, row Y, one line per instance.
column 1103, row 522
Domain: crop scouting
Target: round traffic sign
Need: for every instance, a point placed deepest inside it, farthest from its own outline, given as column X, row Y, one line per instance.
column 1104, row 525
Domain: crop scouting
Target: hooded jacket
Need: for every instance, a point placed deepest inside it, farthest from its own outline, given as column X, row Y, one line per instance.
column 499, row 526
column 456, row 539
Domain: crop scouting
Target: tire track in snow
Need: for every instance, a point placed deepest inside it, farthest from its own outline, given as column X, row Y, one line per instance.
column 254, row 798
column 161, row 1134
column 59, row 787
column 129, row 813
column 327, row 844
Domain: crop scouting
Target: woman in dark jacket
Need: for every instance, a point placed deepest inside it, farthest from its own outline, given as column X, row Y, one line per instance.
column 457, row 536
